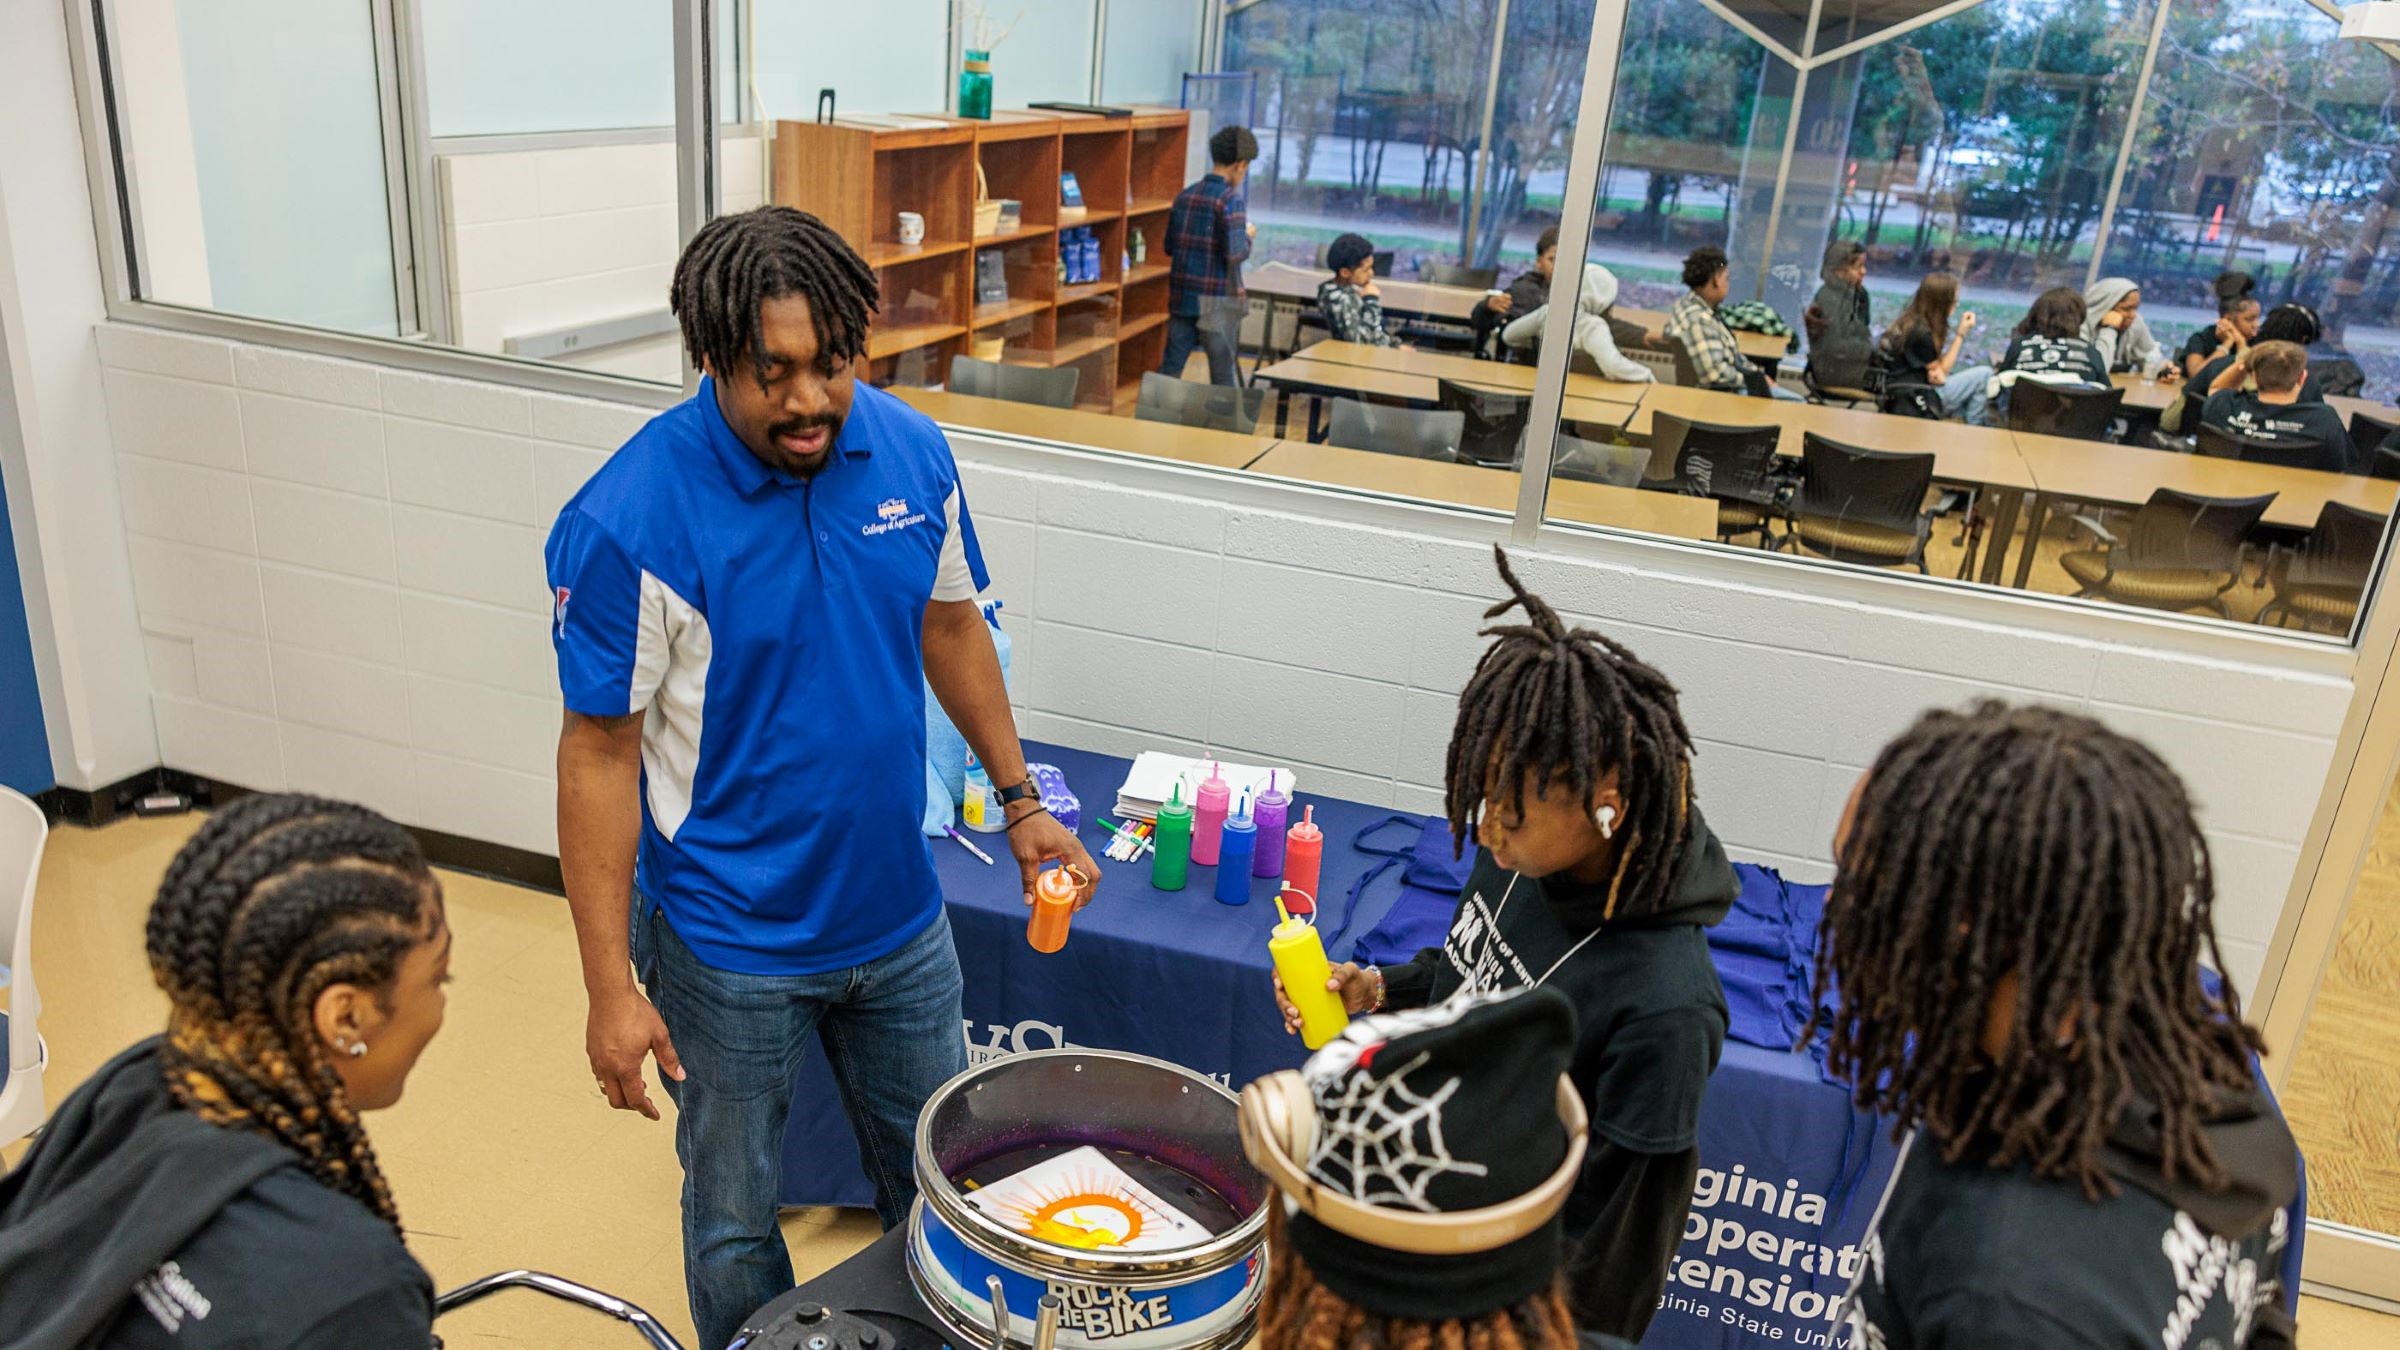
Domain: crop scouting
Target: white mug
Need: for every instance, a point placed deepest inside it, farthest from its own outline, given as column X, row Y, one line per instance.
column 912, row 228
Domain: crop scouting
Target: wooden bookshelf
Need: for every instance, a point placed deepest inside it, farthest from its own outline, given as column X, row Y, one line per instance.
column 859, row 174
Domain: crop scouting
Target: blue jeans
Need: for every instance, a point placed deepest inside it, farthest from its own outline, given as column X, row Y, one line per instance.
column 1962, row 394
column 1184, row 334
column 891, row 1031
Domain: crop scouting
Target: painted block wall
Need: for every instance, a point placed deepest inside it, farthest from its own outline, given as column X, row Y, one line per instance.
column 339, row 574
column 538, row 240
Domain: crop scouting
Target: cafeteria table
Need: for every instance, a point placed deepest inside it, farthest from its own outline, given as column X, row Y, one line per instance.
column 2123, row 475
column 1158, row 440
column 1492, row 489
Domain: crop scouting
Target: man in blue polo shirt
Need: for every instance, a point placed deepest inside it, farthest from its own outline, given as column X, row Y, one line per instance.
column 745, row 598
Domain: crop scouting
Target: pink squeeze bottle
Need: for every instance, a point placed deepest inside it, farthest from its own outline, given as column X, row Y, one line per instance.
column 1208, row 816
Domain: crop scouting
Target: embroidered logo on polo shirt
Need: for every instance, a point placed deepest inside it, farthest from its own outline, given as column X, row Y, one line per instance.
column 558, row 611
column 891, row 514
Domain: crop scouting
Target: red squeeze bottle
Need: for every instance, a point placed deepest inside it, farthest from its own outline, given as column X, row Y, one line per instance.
column 1303, row 856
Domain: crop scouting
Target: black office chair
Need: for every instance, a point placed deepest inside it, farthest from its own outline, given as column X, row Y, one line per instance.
column 2179, row 552
column 2373, row 438
column 1862, row 506
column 1387, row 430
column 1686, row 373
column 2324, row 579
column 1017, row 384
column 1585, row 461
column 1190, row 403
column 1848, row 395
column 2293, row 454
column 1735, row 465
column 2366, row 429
column 1495, row 435
column 2056, row 410
column 1451, row 274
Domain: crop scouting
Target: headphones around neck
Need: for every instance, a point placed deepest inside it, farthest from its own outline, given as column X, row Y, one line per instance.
column 1279, row 1131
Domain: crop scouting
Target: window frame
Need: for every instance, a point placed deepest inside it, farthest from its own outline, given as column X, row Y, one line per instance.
column 696, row 133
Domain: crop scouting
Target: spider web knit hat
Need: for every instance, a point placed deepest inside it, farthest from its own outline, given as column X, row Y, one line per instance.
column 1437, row 1110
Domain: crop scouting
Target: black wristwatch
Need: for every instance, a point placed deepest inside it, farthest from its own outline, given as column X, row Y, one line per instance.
column 1021, row 792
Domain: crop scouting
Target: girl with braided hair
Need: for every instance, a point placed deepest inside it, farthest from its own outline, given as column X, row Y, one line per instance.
column 2022, row 903
column 1570, row 771
column 214, row 1186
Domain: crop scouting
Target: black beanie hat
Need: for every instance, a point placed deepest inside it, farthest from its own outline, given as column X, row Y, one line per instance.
column 1437, row 1110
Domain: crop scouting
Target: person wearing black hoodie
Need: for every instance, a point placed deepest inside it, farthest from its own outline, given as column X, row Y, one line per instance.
column 1594, row 876
column 2021, row 904
column 213, row 1187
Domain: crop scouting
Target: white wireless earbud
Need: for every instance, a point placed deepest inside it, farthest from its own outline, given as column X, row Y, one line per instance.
column 1606, row 819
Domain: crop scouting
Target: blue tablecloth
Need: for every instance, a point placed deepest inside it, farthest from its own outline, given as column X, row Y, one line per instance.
column 1790, row 1170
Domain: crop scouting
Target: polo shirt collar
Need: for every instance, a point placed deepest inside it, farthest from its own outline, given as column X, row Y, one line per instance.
column 747, row 472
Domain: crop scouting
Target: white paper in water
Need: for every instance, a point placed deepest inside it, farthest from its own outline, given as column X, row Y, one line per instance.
column 1083, row 1199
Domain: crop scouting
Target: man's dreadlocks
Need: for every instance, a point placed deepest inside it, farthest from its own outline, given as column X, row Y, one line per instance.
column 272, row 901
column 739, row 262
column 1549, row 704
column 2041, row 844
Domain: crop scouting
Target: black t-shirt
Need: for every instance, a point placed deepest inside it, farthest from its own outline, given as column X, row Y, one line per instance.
column 2245, row 413
column 1917, row 351
column 2195, row 389
column 287, row 1263
column 1650, row 1012
column 2202, row 343
column 2038, row 355
column 1971, row 1257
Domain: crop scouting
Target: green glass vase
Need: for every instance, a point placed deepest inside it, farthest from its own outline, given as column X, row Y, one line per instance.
column 975, row 86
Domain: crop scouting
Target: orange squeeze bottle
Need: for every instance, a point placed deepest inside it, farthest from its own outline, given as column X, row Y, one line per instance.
column 1053, row 908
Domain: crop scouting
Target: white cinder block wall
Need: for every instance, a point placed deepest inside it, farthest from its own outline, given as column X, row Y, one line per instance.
column 339, row 574
column 538, row 240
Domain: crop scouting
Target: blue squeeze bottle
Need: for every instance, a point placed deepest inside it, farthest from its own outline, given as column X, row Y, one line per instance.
column 1235, row 849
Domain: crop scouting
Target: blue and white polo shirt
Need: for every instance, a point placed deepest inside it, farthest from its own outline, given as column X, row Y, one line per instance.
column 772, row 629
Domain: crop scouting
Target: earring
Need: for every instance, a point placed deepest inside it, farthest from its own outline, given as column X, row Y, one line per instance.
column 356, row 1048
column 1606, row 819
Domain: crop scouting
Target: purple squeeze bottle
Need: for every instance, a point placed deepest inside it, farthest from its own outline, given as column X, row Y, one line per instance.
column 1272, row 812
column 1208, row 816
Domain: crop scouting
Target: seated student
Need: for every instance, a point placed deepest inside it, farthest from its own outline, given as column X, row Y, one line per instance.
column 2020, row 906
column 1716, row 356
column 1529, row 290
column 2048, row 345
column 1352, row 1264
column 1571, row 770
column 1595, row 339
column 1922, row 348
column 2236, row 325
column 2113, row 323
column 1840, row 340
column 214, row 1187
column 2275, row 413
column 1350, row 300
column 2285, row 323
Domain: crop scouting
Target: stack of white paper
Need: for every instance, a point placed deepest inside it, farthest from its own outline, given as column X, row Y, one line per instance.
column 1155, row 774
column 1082, row 1199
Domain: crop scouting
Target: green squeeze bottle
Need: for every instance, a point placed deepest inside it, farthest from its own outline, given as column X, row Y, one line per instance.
column 1171, row 857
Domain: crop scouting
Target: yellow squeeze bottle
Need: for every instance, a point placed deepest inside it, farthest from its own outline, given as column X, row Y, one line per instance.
column 1299, row 957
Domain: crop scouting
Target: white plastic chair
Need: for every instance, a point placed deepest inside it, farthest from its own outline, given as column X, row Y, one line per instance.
column 22, row 834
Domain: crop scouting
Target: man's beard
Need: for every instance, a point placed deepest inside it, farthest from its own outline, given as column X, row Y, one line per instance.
column 792, row 463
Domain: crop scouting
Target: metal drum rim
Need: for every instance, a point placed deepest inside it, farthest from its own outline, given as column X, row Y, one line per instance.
column 1222, row 1252
column 970, row 1337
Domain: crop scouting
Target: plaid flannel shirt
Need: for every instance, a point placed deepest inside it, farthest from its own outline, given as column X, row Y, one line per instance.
column 1208, row 236
column 1715, row 356
column 1352, row 317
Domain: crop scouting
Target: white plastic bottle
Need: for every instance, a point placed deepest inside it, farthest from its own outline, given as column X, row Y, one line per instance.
column 981, row 812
